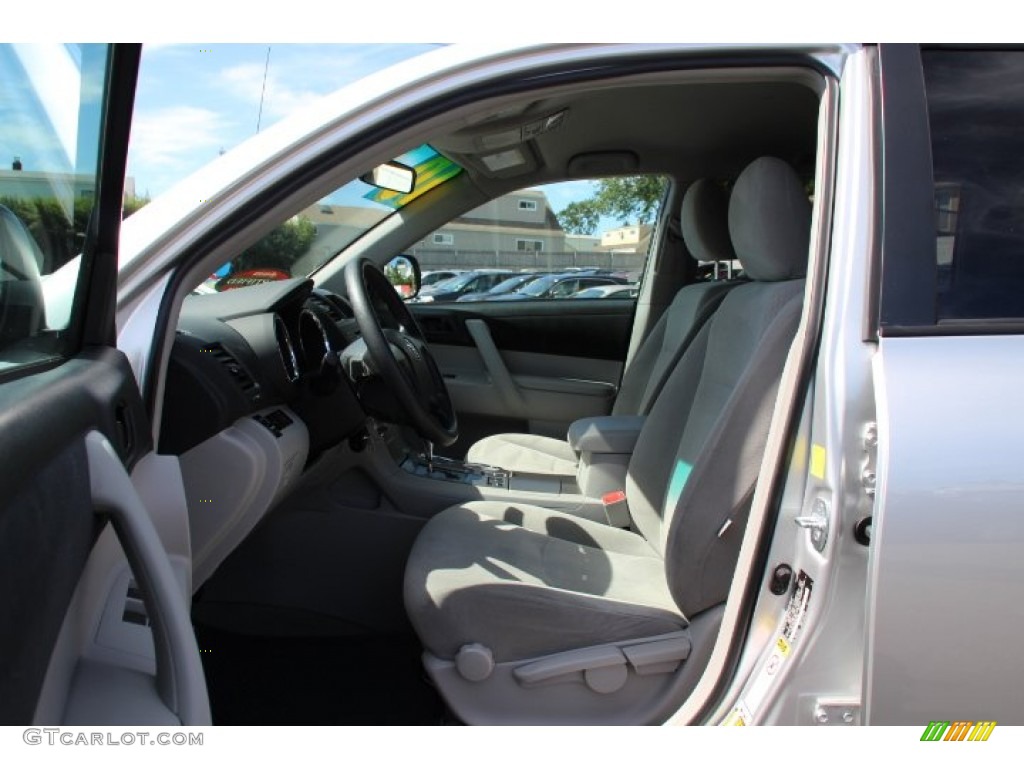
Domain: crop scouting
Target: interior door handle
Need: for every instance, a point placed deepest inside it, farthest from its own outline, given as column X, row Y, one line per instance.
column 179, row 671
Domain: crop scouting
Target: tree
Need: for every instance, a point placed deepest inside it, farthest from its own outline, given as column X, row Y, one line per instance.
column 629, row 199
column 59, row 238
column 132, row 204
column 46, row 221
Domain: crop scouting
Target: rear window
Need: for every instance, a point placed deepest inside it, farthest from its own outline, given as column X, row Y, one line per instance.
column 976, row 115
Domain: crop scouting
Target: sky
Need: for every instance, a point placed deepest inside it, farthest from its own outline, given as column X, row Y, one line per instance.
column 193, row 101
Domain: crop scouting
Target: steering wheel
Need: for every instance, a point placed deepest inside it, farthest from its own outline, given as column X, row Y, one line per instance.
column 399, row 352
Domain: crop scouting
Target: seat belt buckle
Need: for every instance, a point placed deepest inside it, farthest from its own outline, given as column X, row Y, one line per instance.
column 616, row 509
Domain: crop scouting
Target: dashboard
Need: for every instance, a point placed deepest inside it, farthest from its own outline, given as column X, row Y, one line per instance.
column 240, row 352
column 255, row 393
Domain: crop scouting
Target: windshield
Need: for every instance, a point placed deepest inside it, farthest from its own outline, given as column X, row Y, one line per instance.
column 454, row 283
column 539, row 286
column 304, row 243
column 513, row 282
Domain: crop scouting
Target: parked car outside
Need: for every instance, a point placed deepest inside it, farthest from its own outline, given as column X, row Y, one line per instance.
column 607, row 292
column 558, row 286
column 505, row 286
column 451, row 289
column 436, row 276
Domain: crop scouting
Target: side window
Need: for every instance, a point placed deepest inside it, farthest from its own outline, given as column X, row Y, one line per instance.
column 525, row 244
column 50, row 116
column 976, row 114
column 565, row 288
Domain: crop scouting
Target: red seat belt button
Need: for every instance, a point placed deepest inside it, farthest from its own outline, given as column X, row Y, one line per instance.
column 613, row 497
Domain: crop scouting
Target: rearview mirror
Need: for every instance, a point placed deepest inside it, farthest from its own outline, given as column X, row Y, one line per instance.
column 392, row 176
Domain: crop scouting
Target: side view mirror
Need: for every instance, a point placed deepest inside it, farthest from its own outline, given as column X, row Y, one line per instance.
column 392, row 176
column 403, row 272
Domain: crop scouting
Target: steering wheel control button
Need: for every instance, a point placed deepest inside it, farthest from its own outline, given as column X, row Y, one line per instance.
column 474, row 662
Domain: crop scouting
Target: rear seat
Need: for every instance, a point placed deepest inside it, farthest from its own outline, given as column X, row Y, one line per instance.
column 705, row 226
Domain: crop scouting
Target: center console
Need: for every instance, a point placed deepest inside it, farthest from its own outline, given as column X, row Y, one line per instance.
column 484, row 476
column 421, row 483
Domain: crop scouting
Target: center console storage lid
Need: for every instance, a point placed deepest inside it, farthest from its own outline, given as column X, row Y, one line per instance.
column 605, row 434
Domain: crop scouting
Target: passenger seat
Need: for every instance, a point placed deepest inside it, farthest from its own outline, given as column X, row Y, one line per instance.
column 705, row 226
column 533, row 615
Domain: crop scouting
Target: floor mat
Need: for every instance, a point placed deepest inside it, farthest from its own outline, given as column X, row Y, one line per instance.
column 317, row 681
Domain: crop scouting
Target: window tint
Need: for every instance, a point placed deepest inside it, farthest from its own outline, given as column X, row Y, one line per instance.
column 976, row 114
column 50, row 115
column 529, row 243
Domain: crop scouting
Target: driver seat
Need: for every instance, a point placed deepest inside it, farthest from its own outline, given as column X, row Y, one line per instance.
column 529, row 615
column 705, row 228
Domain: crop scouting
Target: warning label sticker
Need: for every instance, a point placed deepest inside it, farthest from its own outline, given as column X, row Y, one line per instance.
column 740, row 715
column 796, row 610
column 792, row 625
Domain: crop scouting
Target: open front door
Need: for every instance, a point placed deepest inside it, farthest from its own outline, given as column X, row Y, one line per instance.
column 95, row 623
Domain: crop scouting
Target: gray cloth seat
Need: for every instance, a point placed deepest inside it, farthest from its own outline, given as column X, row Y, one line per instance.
column 575, row 580
column 524, row 582
column 705, row 228
column 531, row 454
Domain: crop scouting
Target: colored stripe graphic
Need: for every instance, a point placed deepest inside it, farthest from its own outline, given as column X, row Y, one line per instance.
column 959, row 730
column 935, row 730
column 982, row 730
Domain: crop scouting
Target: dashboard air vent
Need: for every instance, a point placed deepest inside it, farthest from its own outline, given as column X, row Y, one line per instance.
column 240, row 376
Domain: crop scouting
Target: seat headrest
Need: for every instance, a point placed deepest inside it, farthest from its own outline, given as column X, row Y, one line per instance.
column 705, row 222
column 770, row 221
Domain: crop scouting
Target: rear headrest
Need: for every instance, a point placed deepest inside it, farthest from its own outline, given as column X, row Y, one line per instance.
column 705, row 222
column 770, row 221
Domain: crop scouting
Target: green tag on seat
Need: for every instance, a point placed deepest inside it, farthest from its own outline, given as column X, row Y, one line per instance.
column 675, row 488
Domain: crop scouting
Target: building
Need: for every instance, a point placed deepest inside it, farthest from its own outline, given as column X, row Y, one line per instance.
column 518, row 223
column 583, row 243
column 27, row 184
column 631, row 238
column 517, row 231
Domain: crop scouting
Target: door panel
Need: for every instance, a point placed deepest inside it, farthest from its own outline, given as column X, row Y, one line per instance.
column 72, row 421
column 52, row 525
column 944, row 609
column 527, row 366
column 588, row 329
column 50, row 516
